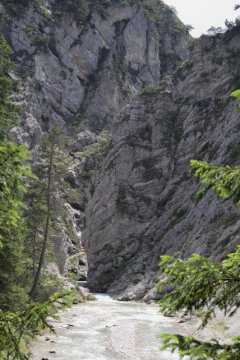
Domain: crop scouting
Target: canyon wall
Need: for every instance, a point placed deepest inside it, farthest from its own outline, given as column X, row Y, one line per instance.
column 144, row 202
column 78, row 71
column 137, row 98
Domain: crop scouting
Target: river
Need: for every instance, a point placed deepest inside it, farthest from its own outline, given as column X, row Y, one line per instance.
column 106, row 329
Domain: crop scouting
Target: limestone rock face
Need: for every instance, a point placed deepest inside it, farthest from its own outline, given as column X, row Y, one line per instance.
column 79, row 75
column 143, row 204
column 89, row 77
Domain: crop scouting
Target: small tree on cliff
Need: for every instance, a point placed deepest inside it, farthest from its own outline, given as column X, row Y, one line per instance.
column 51, row 169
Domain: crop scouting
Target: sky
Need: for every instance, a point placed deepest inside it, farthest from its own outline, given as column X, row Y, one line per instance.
column 202, row 14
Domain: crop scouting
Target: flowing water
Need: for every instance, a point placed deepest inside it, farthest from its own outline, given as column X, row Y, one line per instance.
column 107, row 330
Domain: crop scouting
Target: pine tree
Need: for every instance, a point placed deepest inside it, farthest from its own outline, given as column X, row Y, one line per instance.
column 53, row 168
column 14, row 172
column 8, row 110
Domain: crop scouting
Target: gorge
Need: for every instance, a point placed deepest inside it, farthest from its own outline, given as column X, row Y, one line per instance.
column 136, row 98
column 78, row 74
column 140, row 202
column 103, row 106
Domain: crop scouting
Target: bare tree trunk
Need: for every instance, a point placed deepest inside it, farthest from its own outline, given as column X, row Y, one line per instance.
column 45, row 238
column 34, row 253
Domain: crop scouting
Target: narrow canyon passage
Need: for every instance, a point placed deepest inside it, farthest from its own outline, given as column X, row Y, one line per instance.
column 107, row 330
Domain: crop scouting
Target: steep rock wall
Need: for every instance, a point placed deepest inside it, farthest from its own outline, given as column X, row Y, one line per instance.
column 79, row 74
column 143, row 203
column 82, row 73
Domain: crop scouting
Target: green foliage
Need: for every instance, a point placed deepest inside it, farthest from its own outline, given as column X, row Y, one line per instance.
column 200, row 282
column 193, row 349
column 223, row 180
column 19, row 6
column 18, row 327
column 49, row 285
column 8, row 110
column 236, row 95
column 41, row 41
column 52, row 164
column 14, row 171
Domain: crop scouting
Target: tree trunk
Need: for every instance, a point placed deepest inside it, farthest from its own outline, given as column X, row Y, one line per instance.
column 34, row 253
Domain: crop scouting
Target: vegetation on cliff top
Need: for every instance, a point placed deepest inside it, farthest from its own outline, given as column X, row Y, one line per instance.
column 82, row 9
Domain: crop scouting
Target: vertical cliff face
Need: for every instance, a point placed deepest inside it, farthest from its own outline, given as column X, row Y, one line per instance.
column 79, row 72
column 85, row 74
column 143, row 203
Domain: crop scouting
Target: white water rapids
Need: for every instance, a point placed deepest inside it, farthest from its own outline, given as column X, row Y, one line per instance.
column 107, row 330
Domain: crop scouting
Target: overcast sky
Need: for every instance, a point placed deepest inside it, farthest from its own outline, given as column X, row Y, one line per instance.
column 202, row 14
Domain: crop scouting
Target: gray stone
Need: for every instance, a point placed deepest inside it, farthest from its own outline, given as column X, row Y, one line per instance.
column 144, row 203
column 80, row 76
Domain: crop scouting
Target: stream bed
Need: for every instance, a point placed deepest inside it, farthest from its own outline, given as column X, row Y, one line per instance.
column 106, row 329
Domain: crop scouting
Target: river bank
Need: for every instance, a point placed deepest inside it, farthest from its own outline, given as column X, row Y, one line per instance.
column 107, row 330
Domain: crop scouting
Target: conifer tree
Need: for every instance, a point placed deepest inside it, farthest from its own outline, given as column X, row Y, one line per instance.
column 8, row 110
column 14, row 171
column 53, row 168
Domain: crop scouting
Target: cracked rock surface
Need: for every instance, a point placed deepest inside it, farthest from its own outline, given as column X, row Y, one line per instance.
column 144, row 203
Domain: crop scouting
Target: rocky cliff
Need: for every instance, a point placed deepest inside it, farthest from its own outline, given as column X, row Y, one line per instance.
column 79, row 74
column 79, row 63
column 144, row 203
column 136, row 106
